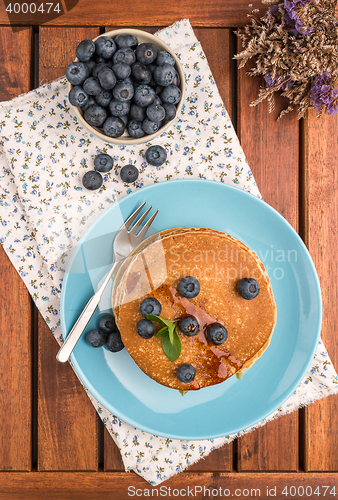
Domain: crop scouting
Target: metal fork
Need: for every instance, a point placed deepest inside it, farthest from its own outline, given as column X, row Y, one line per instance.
column 125, row 242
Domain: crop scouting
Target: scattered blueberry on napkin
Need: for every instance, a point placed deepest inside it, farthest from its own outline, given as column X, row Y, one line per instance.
column 44, row 152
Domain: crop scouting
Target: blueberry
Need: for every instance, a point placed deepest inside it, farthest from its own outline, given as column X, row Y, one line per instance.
column 107, row 78
column 98, row 67
column 248, row 288
column 85, row 50
column 145, row 328
column 171, row 94
column 157, row 100
column 125, row 119
column 137, row 113
column 152, row 67
column 140, row 73
column 146, row 53
column 90, row 102
column 177, row 80
column 78, row 97
column 105, row 47
column 150, row 305
column 114, row 126
column 144, row 95
column 125, row 55
column 126, row 40
column 96, row 338
column 152, row 84
column 155, row 112
column 186, row 373
column 118, row 108
column 92, row 180
column 158, row 90
column 92, row 86
column 129, row 81
column 150, row 127
column 163, row 57
column 217, row 334
column 156, row 155
column 104, row 98
column 189, row 287
column 107, row 321
column 103, row 163
column 170, row 111
column 121, row 70
column 114, row 342
column 135, row 129
column 189, row 326
column 123, row 91
column 129, row 173
column 164, row 75
column 77, row 72
column 95, row 115
column 90, row 65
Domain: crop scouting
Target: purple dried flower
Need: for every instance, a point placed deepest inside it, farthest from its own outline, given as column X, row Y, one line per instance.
column 291, row 16
column 324, row 95
column 281, row 46
column 273, row 9
column 270, row 82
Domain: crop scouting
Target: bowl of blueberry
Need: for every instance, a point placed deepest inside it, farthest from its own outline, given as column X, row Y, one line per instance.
column 126, row 86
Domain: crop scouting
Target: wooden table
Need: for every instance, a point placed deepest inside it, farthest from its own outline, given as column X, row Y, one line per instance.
column 50, row 451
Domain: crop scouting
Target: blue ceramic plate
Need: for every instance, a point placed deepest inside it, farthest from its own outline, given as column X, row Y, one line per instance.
column 116, row 381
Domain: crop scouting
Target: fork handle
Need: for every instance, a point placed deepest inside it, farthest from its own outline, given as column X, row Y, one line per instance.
column 83, row 320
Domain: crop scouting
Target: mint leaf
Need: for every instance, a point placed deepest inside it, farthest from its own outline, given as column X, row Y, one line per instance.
column 171, row 342
column 157, row 319
column 178, row 341
column 163, row 332
column 171, row 349
column 171, row 329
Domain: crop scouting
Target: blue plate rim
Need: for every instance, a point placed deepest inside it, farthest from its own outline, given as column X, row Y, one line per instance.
column 242, row 192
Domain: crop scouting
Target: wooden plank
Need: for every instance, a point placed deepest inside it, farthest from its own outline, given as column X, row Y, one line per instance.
column 271, row 148
column 320, row 181
column 148, row 12
column 67, row 421
column 219, row 460
column 16, row 310
column 112, row 455
column 216, row 45
column 16, row 52
column 55, row 57
column 123, row 486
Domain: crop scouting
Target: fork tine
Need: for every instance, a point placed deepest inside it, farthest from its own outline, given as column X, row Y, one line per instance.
column 147, row 225
column 137, row 224
column 133, row 216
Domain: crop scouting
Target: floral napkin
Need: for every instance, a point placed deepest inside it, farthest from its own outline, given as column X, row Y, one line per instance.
column 44, row 210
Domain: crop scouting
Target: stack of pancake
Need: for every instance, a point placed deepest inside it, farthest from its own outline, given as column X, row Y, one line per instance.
column 218, row 261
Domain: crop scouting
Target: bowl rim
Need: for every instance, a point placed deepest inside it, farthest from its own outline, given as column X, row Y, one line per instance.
column 147, row 138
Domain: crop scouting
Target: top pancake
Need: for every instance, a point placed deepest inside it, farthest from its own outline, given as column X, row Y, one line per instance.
column 219, row 262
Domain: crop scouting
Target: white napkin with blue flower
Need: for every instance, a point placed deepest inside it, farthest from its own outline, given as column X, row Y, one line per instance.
column 44, row 153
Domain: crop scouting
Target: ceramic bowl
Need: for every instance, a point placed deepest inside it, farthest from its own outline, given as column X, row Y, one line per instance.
column 125, row 139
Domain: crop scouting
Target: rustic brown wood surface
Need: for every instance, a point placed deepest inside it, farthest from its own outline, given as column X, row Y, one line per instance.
column 294, row 167
column 272, row 150
column 16, row 308
column 120, row 486
column 149, row 12
column 321, row 167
